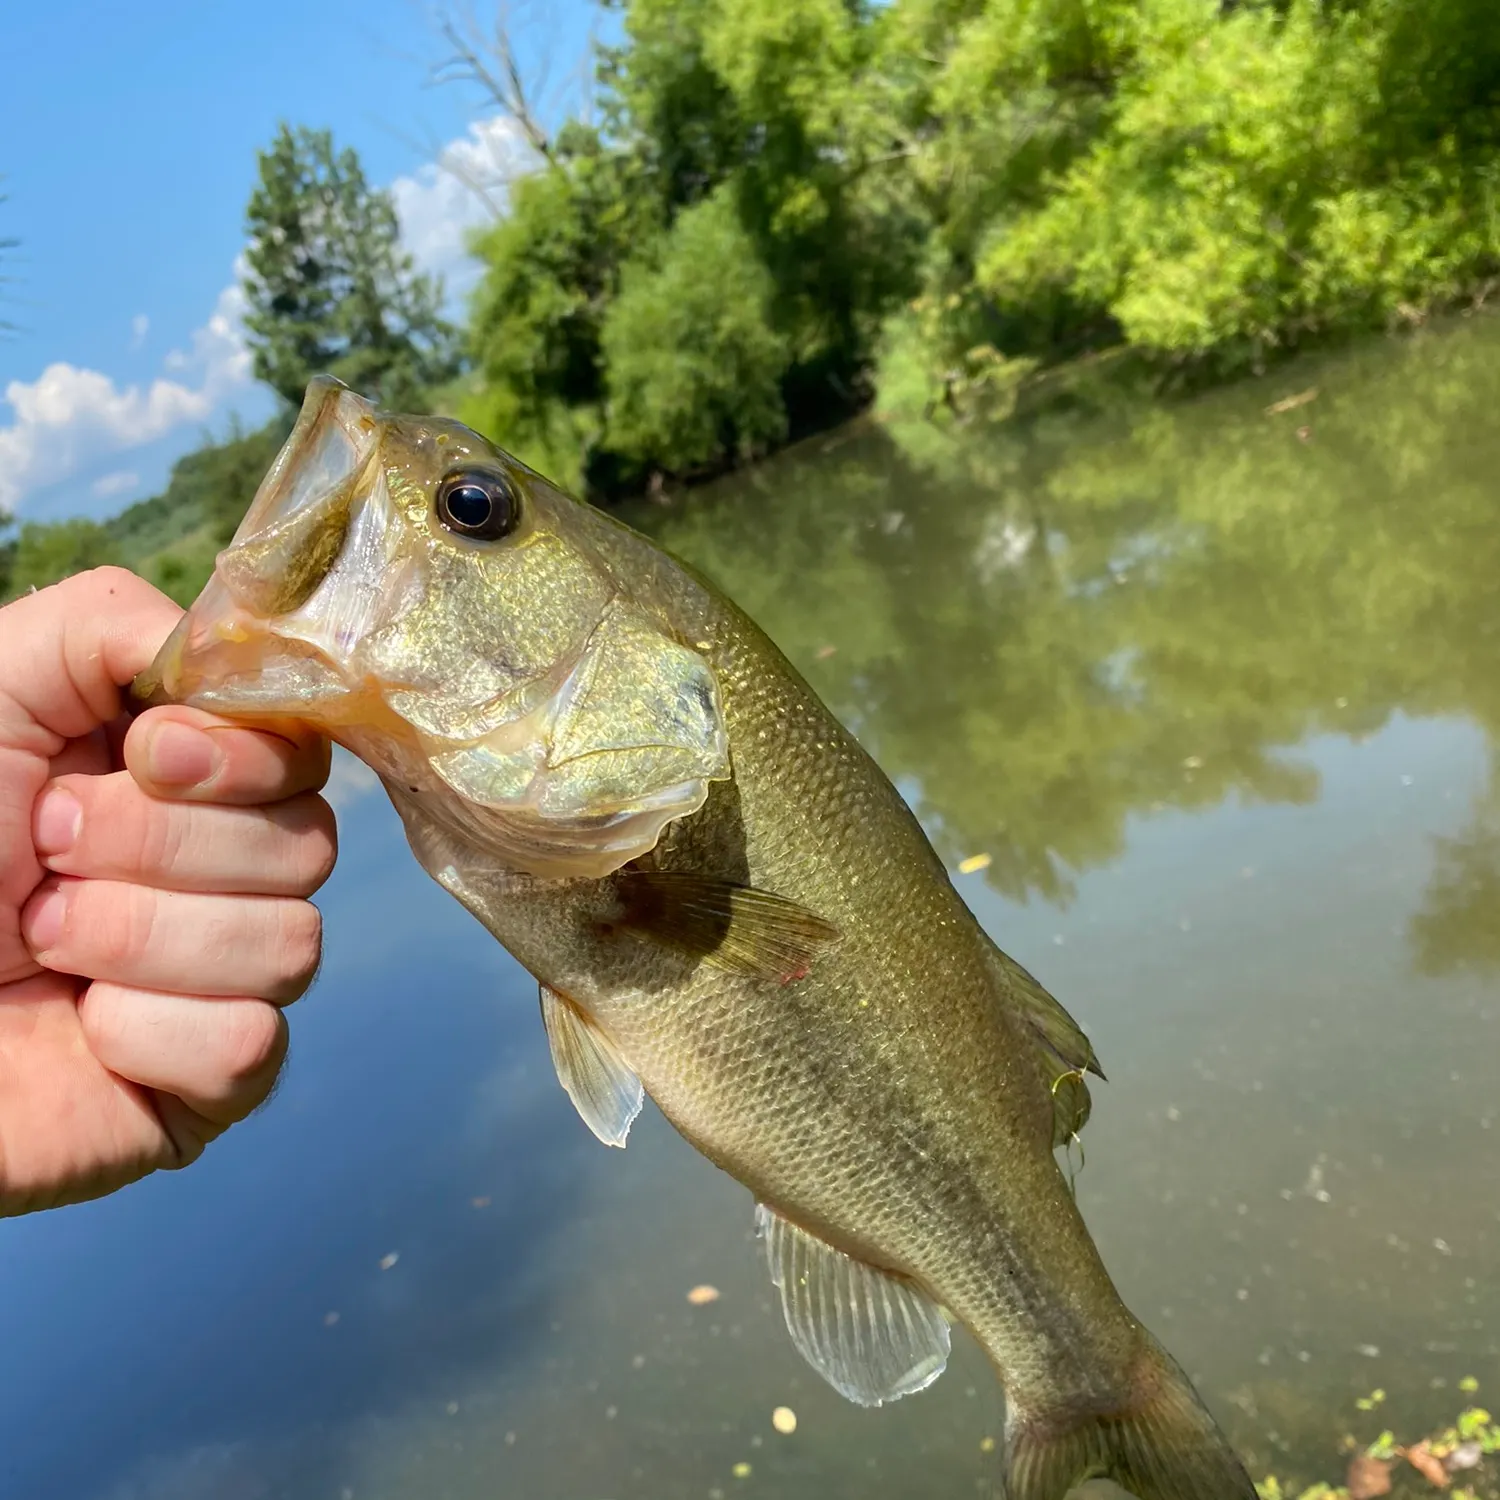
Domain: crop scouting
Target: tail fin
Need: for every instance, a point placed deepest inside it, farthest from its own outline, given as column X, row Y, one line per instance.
column 1162, row 1445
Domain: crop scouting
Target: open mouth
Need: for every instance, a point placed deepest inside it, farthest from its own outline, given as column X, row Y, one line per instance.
column 272, row 631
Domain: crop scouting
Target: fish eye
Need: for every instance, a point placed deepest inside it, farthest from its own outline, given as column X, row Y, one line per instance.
column 478, row 503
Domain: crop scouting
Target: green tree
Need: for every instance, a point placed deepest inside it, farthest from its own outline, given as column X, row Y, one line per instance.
column 329, row 286
column 950, row 199
column 552, row 270
column 757, row 109
column 694, row 364
column 7, row 556
column 1209, row 185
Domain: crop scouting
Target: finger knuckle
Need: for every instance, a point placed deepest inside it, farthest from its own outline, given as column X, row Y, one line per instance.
column 156, row 835
column 320, row 845
column 301, row 946
column 254, row 1044
column 118, row 930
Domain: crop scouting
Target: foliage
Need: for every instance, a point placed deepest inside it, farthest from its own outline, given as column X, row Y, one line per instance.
column 1207, row 184
column 694, row 366
column 945, row 198
column 7, row 557
column 329, row 287
column 45, row 553
column 553, row 265
column 724, row 211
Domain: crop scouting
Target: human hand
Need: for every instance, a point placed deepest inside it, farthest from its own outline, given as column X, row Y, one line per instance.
column 153, row 918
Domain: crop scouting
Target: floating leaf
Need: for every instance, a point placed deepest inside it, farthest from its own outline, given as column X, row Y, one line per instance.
column 1473, row 1422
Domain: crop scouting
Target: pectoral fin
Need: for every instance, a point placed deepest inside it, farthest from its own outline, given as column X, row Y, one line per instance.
column 870, row 1335
column 599, row 1082
column 733, row 927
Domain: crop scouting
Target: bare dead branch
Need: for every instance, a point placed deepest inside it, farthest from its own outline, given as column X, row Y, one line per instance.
column 487, row 61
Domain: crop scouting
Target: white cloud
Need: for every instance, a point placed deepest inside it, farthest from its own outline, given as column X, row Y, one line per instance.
column 71, row 419
column 468, row 185
column 218, row 352
column 114, row 483
column 68, row 418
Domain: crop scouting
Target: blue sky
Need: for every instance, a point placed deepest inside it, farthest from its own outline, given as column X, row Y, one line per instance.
column 127, row 150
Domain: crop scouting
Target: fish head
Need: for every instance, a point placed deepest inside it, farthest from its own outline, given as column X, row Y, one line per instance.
column 406, row 587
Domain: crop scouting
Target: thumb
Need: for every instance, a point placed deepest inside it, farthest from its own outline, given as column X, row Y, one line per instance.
column 66, row 652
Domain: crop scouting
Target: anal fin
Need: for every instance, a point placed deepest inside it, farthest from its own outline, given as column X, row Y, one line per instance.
column 598, row 1080
column 872, row 1336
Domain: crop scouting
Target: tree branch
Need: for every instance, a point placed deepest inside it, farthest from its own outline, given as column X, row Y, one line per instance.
column 489, row 64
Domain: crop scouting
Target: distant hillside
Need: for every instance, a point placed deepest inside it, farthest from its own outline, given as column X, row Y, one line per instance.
column 170, row 539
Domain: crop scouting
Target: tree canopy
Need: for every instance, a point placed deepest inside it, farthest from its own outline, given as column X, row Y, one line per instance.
column 328, row 285
column 932, row 201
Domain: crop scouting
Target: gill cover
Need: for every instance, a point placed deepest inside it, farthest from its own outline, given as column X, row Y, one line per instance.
column 587, row 779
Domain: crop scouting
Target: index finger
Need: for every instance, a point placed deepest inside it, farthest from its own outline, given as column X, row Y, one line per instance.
column 70, row 648
column 187, row 755
column 65, row 653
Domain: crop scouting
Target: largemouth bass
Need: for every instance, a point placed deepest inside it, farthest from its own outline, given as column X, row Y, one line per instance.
column 726, row 904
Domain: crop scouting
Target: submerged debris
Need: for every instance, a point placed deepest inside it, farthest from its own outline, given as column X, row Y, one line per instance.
column 1291, row 403
column 1421, row 1457
column 1471, row 1447
column 1368, row 1477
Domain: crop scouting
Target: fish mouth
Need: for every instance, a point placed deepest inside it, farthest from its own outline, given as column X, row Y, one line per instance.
column 273, row 631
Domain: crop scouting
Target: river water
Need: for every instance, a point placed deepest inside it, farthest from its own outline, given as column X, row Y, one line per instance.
column 1214, row 689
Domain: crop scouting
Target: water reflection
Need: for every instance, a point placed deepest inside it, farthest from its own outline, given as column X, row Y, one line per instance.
column 1051, row 628
column 1217, row 697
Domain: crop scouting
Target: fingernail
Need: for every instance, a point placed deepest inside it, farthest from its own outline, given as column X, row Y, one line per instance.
column 44, row 918
column 56, row 821
column 181, row 756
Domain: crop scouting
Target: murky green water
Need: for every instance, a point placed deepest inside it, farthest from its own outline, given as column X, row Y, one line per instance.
column 1217, row 692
